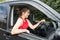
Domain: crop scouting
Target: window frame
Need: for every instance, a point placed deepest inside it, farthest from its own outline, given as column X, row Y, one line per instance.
column 37, row 7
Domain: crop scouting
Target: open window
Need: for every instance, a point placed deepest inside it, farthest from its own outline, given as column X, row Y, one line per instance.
column 44, row 29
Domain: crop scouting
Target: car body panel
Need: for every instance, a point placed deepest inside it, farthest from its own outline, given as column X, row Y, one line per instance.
column 48, row 11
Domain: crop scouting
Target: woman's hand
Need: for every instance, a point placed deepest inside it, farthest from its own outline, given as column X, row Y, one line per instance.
column 43, row 20
column 27, row 31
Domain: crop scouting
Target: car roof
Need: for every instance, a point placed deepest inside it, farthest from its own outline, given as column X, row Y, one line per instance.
column 17, row 1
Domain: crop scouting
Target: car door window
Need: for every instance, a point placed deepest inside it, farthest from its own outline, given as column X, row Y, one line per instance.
column 44, row 29
column 35, row 16
column 3, row 17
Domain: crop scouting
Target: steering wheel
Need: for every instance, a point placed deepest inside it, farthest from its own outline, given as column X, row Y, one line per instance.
column 41, row 29
column 42, row 26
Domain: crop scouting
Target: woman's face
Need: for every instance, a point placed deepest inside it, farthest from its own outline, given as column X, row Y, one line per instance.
column 27, row 13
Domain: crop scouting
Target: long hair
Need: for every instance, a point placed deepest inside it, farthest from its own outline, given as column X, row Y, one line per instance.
column 23, row 9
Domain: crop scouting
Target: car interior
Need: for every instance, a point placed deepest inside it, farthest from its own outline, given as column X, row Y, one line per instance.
column 44, row 29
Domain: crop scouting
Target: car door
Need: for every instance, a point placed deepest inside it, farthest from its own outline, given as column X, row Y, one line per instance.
column 37, row 6
column 11, row 22
column 26, row 35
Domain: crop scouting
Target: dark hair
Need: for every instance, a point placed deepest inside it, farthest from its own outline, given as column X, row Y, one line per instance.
column 23, row 9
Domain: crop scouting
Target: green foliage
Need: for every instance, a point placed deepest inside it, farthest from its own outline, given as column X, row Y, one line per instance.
column 2, row 0
column 55, row 4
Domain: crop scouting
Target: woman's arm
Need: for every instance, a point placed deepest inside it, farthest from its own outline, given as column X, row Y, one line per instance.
column 15, row 29
column 36, row 25
column 18, row 31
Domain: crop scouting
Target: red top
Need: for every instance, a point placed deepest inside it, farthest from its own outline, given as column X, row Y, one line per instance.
column 24, row 25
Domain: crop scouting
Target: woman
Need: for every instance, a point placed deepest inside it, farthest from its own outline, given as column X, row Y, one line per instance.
column 23, row 23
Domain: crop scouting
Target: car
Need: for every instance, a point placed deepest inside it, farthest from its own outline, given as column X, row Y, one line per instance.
column 39, row 10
